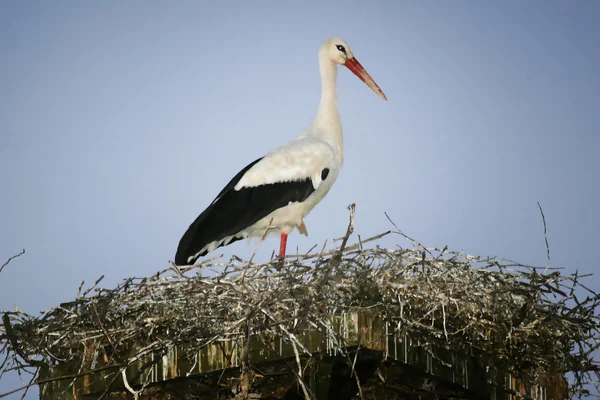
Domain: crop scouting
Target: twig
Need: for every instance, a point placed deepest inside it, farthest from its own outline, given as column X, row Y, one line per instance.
column 398, row 231
column 12, row 258
column 133, row 392
column 229, row 360
column 88, row 290
column 353, row 371
column 348, row 248
column 108, row 386
column 35, row 374
column 300, row 374
column 256, row 250
column 60, row 378
column 320, row 256
column 350, row 229
column 13, row 339
column 545, row 235
column 183, row 269
column 112, row 344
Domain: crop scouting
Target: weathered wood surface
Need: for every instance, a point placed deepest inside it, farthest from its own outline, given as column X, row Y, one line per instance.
column 388, row 367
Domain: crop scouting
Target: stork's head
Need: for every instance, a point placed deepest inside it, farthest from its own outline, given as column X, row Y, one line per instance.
column 338, row 51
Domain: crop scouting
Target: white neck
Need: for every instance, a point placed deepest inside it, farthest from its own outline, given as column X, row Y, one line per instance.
column 327, row 125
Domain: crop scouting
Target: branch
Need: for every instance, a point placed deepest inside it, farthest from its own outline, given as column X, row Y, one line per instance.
column 12, row 337
column 545, row 236
column 60, row 378
column 10, row 259
column 350, row 230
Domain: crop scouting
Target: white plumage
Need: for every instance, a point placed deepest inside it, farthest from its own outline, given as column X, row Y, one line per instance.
column 302, row 157
column 278, row 190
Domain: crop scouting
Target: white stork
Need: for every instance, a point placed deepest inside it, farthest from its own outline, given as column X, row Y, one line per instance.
column 275, row 192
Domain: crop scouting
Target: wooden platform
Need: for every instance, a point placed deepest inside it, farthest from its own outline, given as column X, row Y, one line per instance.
column 387, row 367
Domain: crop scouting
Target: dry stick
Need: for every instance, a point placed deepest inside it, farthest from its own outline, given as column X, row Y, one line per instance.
column 279, row 324
column 79, row 370
column 545, row 236
column 200, row 264
column 130, row 361
column 127, row 385
column 305, row 390
column 12, row 258
column 398, row 231
column 337, row 257
column 176, row 269
column 350, row 229
column 108, row 386
column 256, row 250
column 322, row 250
column 30, row 383
column 229, row 359
column 353, row 372
column 142, row 369
column 61, row 378
column 309, row 250
column 5, row 358
column 347, row 249
column 592, row 349
column 159, row 273
column 88, row 290
column 11, row 336
column 112, row 344
column 291, row 367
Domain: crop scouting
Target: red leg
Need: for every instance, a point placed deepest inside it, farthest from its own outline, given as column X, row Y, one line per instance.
column 282, row 245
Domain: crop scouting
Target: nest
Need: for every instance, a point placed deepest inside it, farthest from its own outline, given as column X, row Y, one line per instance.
column 533, row 321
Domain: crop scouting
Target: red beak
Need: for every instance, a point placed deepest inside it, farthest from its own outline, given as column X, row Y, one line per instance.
column 358, row 70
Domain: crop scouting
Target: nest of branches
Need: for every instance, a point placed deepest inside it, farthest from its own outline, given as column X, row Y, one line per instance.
column 516, row 318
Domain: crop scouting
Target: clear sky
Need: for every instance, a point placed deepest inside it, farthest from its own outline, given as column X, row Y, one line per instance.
column 121, row 121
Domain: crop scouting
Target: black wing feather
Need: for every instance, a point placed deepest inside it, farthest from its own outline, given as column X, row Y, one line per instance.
column 236, row 210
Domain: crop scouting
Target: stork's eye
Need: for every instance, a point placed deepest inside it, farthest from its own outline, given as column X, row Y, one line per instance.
column 341, row 48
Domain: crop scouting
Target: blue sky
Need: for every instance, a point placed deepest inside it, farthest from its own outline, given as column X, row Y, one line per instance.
column 120, row 122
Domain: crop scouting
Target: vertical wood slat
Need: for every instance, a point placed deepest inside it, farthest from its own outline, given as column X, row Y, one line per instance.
column 359, row 329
